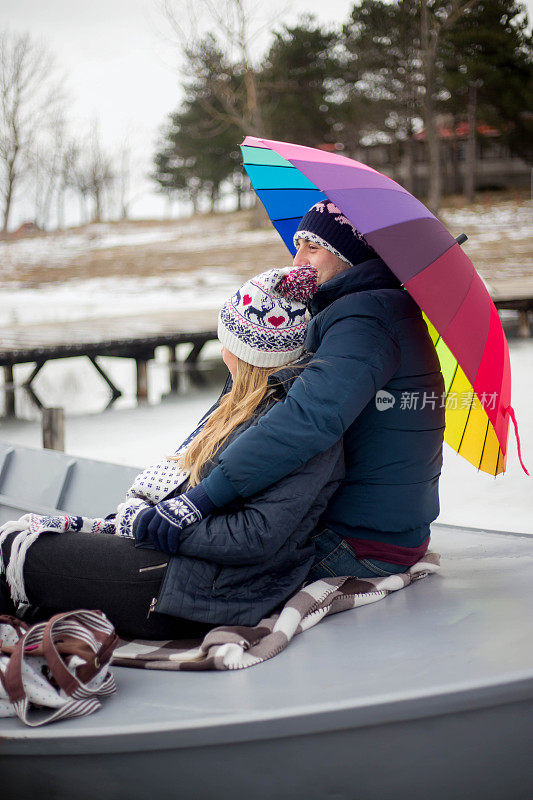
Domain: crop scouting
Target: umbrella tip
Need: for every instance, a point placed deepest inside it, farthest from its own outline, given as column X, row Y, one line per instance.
column 461, row 239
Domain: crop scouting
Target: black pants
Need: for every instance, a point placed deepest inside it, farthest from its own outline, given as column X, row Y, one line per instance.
column 66, row 571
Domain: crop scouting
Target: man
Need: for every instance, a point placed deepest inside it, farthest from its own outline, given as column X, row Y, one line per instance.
column 375, row 380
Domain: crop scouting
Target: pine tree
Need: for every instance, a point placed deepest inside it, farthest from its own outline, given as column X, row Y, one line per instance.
column 298, row 82
column 383, row 70
column 489, row 75
column 199, row 144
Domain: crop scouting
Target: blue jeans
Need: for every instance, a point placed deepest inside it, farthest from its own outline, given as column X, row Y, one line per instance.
column 334, row 556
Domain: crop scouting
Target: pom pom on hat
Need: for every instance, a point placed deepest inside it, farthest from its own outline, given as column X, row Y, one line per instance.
column 300, row 284
column 265, row 322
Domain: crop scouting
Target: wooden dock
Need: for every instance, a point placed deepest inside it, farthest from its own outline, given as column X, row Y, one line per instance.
column 515, row 294
column 124, row 337
column 138, row 337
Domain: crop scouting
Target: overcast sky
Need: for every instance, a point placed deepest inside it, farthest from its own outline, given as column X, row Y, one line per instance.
column 118, row 60
column 118, row 57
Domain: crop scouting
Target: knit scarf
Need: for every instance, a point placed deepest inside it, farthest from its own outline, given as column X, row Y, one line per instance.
column 154, row 484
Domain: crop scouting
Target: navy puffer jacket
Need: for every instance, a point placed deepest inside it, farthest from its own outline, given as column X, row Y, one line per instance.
column 368, row 334
column 238, row 566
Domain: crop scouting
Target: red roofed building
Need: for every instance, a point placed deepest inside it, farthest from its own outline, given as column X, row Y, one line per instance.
column 495, row 167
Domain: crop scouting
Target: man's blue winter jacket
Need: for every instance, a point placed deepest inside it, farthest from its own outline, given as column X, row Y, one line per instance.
column 368, row 334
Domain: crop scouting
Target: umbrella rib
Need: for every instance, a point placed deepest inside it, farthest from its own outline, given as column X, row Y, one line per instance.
column 285, row 219
column 498, row 459
column 484, row 443
column 271, row 166
column 453, row 377
column 466, row 421
column 289, row 189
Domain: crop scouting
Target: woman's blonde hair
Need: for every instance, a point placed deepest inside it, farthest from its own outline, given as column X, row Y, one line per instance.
column 250, row 386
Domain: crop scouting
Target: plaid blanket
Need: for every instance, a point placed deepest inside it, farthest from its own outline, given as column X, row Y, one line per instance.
column 238, row 647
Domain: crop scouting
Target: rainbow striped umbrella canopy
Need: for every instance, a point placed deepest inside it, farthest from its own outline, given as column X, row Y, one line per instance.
column 461, row 317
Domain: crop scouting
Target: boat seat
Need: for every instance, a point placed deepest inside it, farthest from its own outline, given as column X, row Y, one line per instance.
column 427, row 693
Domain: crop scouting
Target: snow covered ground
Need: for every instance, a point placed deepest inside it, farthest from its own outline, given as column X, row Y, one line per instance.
column 122, row 269
column 126, row 268
column 491, row 221
column 500, row 238
column 114, row 296
column 183, row 236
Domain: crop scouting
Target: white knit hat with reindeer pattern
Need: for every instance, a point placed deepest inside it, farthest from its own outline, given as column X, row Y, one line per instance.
column 265, row 322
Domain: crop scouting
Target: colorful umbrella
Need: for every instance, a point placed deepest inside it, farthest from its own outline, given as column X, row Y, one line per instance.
column 461, row 317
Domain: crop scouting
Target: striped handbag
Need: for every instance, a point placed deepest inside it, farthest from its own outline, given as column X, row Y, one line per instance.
column 55, row 669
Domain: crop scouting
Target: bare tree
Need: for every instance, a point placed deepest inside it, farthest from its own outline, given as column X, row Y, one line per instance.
column 129, row 179
column 93, row 174
column 236, row 28
column 75, row 177
column 435, row 18
column 88, row 171
column 66, row 179
column 47, row 164
column 232, row 95
column 124, row 179
column 100, row 174
column 126, row 166
column 29, row 93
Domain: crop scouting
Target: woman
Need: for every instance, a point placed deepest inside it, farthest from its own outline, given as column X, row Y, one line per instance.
column 229, row 568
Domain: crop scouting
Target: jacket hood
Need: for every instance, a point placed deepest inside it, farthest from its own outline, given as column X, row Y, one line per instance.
column 279, row 383
column 371, row 274
column 284, row 377
column 281, row 380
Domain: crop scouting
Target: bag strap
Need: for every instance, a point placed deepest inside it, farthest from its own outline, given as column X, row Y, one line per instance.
column 87, row 671
column 76, row 636
column 3, row 682
column 18, row 626
column 65, row 679
column 13, row 684
column 13, row 675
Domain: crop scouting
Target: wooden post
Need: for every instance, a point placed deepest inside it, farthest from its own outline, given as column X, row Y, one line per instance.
column 9, row 391
column 191, row 363
column 524, row 330
column 173, row 374
column 142, row 380
column 115, row 393
column 53, row 426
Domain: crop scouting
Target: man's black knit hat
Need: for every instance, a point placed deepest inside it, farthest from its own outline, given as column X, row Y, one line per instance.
column 326, row 225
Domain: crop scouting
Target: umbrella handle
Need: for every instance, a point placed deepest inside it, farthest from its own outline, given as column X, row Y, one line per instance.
column 462, row 238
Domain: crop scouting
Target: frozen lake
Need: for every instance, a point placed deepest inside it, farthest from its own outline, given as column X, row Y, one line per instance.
column 137, row 435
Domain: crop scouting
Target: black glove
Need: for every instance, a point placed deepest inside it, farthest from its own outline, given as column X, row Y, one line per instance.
column 164, row 522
